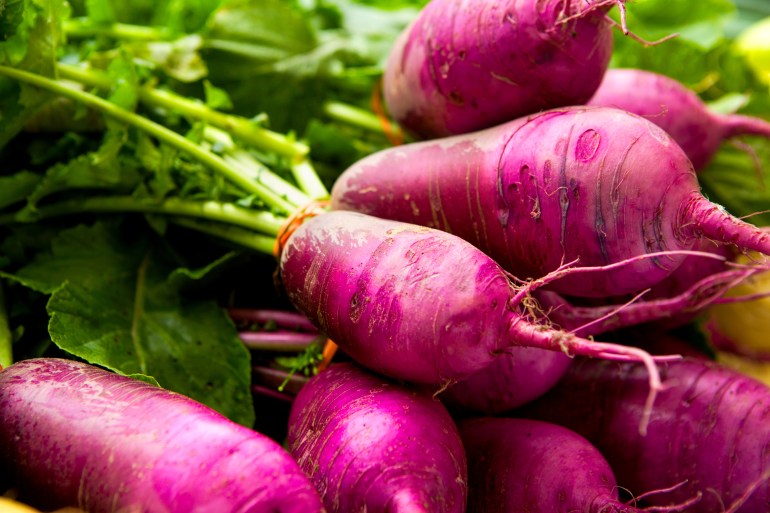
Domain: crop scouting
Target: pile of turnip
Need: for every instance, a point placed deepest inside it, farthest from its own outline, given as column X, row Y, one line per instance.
column 482, row 285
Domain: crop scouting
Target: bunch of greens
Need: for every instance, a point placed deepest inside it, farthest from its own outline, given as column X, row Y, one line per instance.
column 194, row 115
column 133, row 132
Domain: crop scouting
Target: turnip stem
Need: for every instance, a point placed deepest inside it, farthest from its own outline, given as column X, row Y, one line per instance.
column 158, row 131
column 82, row 27
column 353, row 116
column 269, row 392
column 281, row 318
column 250, row 167
column 277, row 378
column 258, row 220
column 308, row 180
column 736, row 124
column 6, row 340
column 240, row 127
column 244, row 238
column 358, row 117
column 281, row 341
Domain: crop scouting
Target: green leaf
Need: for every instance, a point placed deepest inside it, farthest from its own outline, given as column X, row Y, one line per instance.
column 100, row 12
column 216, row 97
column 103, row 169
column 15, row 188
column 125, row 93
column 146, row 379
column 11, row 16
column 32, row 47
column 117, row 301
column 273, row 24
column 179, row 59
column 733, row 181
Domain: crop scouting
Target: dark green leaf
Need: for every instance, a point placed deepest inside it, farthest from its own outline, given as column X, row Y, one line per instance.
column 115, row 302
column 733, row 181
column 15, row 189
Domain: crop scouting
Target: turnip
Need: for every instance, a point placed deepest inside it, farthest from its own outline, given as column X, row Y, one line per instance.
column 464, row 65
column 72, row 434
column 708, row 432
column 371, row 444
column 415, row 303
column 588, row 184
column 529, row 465
column 677, row 110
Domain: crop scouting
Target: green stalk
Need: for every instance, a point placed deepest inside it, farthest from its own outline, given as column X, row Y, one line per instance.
column 228, row 213
column 262, row 174
column 160, row 132
column 230, row 233
column 308, row 180
column 83, row 27
column 357, row 117
column 240, row 127
column 251, row 167
column 6, row 340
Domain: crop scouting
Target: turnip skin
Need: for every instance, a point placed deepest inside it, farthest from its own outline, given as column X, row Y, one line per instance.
column 516, row 377
column 592, row 184
column 76, row 435
column 465, row 65
column 415, row 303
column 371, row 444
column 708, row 430
column 677, row 110
column 529, row 465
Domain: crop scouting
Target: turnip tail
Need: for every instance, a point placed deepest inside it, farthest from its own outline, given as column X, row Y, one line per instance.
column 737, row 124
column 700, row 218
column 587, row 321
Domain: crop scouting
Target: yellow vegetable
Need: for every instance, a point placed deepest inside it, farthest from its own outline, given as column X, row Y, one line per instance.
column 754, row 44
column 746, row 323
column 11, row 506
column 8, row 505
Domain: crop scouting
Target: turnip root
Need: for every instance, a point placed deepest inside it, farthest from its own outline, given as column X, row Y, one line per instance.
column 708, row 433
column 530, row 465
column 464, row 65
column 677, row 110
column 370, row 444
column 75, row 435
column 588, row 184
